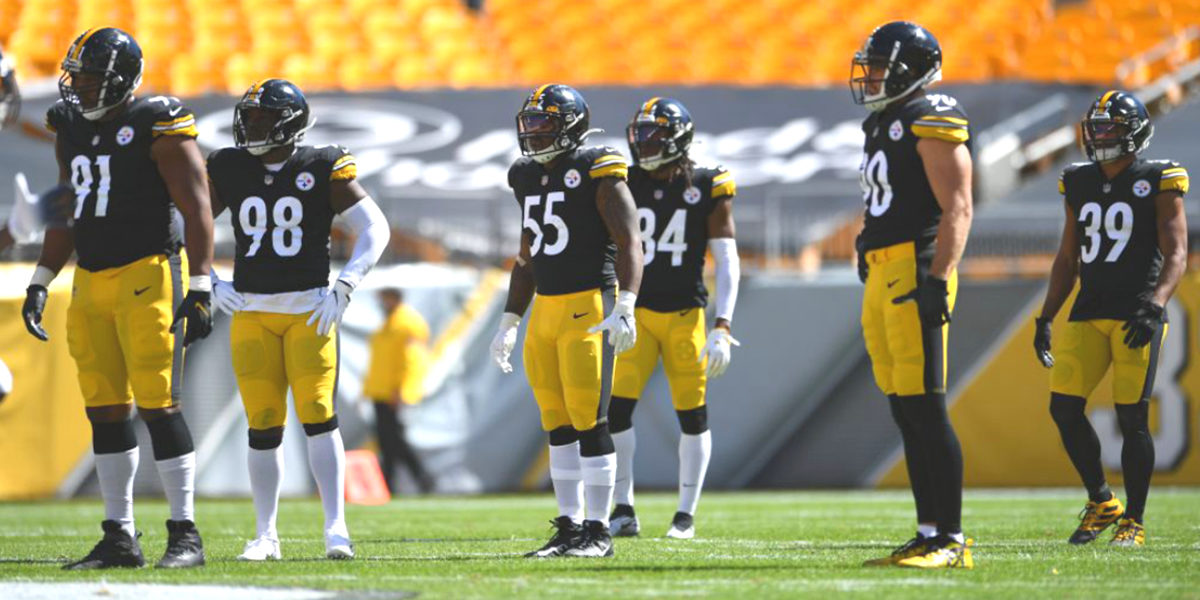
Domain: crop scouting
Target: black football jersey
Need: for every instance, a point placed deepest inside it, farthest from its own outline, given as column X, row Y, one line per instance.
column 281, row 219
column 673, row 217
column 900, row 205
column 569, row 243
column 1116, row 223
column 122, row 206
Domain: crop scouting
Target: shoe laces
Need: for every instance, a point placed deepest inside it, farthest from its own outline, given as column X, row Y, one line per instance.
column 1089, row 517
column 1126, row 531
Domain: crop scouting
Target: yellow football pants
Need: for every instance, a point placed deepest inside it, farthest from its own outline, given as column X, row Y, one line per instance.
column 273, row 351
column 118, row 332
column 569, row 369
column 679, row 338
column 1084, row 351
column 906, row 359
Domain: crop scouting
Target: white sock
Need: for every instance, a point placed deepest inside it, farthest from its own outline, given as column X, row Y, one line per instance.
column 327, row 459
column 567, row 477
column 626, row 444
column 266, row 477
column 927, row 531
column 115, row 472
column 599, row 477
column 178, row 477
column 959, row 537
column 694, row 454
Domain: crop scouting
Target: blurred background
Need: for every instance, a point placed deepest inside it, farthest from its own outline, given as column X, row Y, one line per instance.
column 424, row 92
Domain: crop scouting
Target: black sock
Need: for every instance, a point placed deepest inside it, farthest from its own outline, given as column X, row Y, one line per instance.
column 916, row 462
column 1137, row 456
column 1081, row 442
column 927, row 413
column 411, row 459
column 386, row 434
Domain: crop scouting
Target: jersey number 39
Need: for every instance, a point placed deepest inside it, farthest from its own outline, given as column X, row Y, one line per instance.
column 1117, row 223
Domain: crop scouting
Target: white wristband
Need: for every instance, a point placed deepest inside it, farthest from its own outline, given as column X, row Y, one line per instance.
column 42, row 276
column 200, row 283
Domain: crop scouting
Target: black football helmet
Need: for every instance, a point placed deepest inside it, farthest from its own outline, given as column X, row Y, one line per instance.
column 1117, row 124
column 896, row 59
column 553, row 120
column 288, row 120
column 10, row 94
column 660, row 133
column 102, row 69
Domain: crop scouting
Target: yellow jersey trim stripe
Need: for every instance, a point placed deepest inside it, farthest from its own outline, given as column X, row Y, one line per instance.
column 1174, row 171
column 343, row 161
column 607, row 157
column 188, row 130
column 78, row 49
column 1062, row 187
column 949, row 134
column 602, row 165
column 179, row 125
column 729, row 188
column 615, row 170
column 722, row 178
column 1179, row 184
column 174, row 122
column 344, row 173
column 955, row 120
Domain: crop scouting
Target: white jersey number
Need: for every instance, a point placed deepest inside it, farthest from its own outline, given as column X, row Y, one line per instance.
column 1117, row 224
column 550, row 219
column 877, row 192
column 82, row 180
column 286, row 235
column 672, row 239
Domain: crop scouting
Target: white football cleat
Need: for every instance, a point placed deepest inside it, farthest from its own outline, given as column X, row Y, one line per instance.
column 338, row 547
column 259, row 549
column 623, row 522
column 682, row 527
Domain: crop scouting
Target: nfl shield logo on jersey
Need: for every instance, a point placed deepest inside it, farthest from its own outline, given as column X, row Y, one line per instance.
column 572, row 179
column 1141, row 188
column 125, row 135
column 305, row 181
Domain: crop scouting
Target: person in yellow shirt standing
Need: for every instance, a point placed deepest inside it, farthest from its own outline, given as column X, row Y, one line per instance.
column 395, row 378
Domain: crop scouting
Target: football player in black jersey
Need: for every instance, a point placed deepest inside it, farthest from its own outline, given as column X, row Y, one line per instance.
column 132, row 162
column 916, row 181
column 1125, row 239
column 579, row 240
column 683, row 210
column 283, row 197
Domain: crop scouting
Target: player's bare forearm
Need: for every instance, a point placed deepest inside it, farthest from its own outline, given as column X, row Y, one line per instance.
column 720, row 220
column 182, row 168
column 617, row 208
column 521, row 284
column 57, row 248
column 1065, row 269
column 6, row 239
column 1172, row 242
column 948, row 168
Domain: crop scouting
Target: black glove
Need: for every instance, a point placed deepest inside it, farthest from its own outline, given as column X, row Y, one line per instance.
column 1041, row 341
column 196, row 309
column 1145, row 323
column 860, row 249
column 933, row 302
column 35, row 304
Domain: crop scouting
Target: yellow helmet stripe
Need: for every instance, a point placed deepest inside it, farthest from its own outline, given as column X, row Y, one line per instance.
column 649, row 105
column 1107, row 95
column 256, row 88
column 78, row 49
column 538, row 94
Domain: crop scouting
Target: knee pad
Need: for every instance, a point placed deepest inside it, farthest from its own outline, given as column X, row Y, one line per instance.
column 113, row 438
column 693, row 422
column 311, row 429
column 563, row 436
column 596, row 441
column 620, row 413
column 1134, row 418
column 170, row 436
column 1067, row 409
column 266, row 439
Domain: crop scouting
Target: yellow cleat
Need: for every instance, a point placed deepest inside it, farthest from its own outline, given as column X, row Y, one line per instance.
column 1095, row 518
column 914, row 547
column 953, row 555
column 1129, row 534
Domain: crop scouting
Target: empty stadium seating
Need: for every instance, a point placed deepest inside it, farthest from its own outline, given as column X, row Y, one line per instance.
column 199, row 46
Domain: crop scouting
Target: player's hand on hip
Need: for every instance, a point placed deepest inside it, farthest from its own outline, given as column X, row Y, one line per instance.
column 1041, row 341
column 861, row 252
column 621, row 326
column 196, row 313
column 225, row 298
column 933, row 302
column 1146, row 322
column 31, row 311
column 505, row 340
column 333, row 304
column 719, row 350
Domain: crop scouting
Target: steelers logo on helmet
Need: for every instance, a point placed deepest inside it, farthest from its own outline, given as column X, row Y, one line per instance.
column 125, row 135
column 897, row 59
column 896, row 131
column 1116, row 125
column 1141, row 188
column 102, row 68
column 572, row 179
column 553, row 120
column 691, row 195
column 272, row 114
column 660, row 133
column 305, row 181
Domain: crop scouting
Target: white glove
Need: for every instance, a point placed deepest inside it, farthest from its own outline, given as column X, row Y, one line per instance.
column 505, row 340
column 620, row 325
column 718, row 349
column 24, row 221
column 224, row 297
column 333, row 304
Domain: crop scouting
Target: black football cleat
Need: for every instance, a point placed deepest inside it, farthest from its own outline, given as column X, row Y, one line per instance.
column 117, row 549
column 596, row 542
column 184, row 547
column 683, row 527
column 566, row 532
column 1095, row 518
column 623, row 522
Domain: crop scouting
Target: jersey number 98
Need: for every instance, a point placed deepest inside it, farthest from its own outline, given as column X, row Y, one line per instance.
column 286, row 235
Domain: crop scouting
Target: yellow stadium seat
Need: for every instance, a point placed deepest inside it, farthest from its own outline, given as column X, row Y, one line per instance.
column 362, row 72
column 243, row 69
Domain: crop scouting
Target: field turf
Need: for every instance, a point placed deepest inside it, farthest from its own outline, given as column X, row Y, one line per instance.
column 749, row 545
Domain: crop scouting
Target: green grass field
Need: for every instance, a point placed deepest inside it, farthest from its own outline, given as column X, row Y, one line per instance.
column 765, row 544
